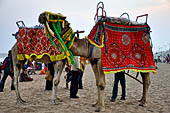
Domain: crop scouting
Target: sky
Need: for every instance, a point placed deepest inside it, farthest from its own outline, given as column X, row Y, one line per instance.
column 80, row 13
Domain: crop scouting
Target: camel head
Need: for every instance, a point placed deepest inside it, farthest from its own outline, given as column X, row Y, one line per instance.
column 49, row 18
column 42, row 18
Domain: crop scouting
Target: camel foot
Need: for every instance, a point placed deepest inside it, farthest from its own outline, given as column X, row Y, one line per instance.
column 53, row 102
column 140, row 100
column 20, row 101
column 94, row 105
column 58, row 99
column 100, row 109
column 142, row 104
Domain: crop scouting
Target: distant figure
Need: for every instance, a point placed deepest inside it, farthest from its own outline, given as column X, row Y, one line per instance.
column 43, row 71
column 168, row 59
column 120, row 76
column 50, row 76
column 30, row 68
column 0, row 71
column 24, row 76
column 81, row 71
column 6, row 66
column 156, row 60
column 68, row 76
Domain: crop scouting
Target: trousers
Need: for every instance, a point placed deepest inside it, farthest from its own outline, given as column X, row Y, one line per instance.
column 2, row 82
column 74, row 84
column 119, row 77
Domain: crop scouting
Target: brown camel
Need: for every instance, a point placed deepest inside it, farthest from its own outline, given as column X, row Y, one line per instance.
column 80, row 47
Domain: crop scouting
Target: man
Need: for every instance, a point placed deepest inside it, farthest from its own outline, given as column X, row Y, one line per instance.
column 7, row 71
column 74, row 80
column 120, row 76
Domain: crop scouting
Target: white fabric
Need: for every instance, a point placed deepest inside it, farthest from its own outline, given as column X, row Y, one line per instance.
column 76, row 66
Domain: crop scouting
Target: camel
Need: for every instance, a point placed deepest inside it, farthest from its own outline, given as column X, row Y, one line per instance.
column 80, row 47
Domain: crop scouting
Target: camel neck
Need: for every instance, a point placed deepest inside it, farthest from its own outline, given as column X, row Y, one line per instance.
column 80, row 47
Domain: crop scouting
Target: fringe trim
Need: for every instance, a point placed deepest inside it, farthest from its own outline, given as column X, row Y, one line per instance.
column 137, row 70
column 96, row 44
column 52, row 58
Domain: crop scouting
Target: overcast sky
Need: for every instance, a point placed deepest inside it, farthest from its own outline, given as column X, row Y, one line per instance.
column 80, row 13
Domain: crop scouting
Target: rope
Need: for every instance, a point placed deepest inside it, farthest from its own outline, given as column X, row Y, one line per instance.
column 134, row 78
column 91, row 50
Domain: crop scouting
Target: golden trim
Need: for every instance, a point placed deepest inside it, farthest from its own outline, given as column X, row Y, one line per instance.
column 52, row 58
column 96, row 44
column 144, row 71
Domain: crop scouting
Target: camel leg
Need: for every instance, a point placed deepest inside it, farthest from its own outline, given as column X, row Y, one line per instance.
column 95, row 70
column 101, row 86
column 17, row 68
column 16, row 75
column 146, row 83
column 56, row 80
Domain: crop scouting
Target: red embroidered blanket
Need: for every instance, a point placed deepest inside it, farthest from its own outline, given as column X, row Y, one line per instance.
column 125, row 47
column 32, row 41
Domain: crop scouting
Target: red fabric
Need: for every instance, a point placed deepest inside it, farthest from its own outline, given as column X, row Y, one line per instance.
column 96, row 34
column 30, row 79
column 127, row 50
column 4, row 64
column 33, row 41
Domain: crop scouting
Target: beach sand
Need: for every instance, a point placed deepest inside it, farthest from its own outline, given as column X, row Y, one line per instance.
column 37, row 99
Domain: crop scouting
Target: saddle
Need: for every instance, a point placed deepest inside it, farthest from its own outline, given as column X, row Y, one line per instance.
column 125, row 45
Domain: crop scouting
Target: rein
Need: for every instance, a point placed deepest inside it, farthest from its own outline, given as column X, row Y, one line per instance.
column 91, row 50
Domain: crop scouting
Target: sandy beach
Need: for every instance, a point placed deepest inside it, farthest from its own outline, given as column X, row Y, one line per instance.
column 37, row 99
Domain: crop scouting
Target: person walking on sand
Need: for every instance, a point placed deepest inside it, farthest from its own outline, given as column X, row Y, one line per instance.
column 120, row 76
column 6, row 66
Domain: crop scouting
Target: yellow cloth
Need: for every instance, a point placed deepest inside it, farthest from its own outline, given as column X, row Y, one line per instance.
column 48, row 76
column 82, row 61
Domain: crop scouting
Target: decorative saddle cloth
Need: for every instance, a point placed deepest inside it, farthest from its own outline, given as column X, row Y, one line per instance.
column 33, row 41
column 124, row 46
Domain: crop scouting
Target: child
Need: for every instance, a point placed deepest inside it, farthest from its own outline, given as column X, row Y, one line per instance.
column 24, row 76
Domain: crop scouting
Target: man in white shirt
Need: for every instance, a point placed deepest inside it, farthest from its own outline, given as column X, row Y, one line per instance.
column 74, row 80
